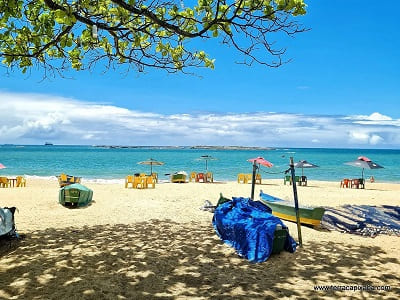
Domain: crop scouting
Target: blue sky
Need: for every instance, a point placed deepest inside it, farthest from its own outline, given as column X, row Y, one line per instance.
column 341, row 89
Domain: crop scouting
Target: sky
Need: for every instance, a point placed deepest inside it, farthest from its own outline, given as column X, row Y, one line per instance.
column 340, row 89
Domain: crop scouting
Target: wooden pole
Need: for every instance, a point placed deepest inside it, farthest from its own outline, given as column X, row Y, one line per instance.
column 253, row 180
column 296, row 203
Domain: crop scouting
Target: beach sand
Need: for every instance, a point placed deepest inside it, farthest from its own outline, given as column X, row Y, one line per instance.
column 158, row 244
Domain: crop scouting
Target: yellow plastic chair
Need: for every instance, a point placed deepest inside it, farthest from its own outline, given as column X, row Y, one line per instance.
column 21, row 181
column 192, row 177
column 209, row 177
column 140, row 182
column 248, row 177
column 4, row 182
column 241, row 178
column 258, row 178
column 129, row 180
column 150, row 180
column 63, row 180
column 155, row 176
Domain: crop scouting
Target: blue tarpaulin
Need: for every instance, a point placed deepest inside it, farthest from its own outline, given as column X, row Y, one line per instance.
column 249, row 227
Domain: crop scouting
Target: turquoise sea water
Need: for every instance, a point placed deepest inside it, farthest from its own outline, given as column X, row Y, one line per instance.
column 103, row 163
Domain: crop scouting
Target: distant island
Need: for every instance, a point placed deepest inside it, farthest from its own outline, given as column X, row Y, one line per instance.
column 231, row 148
column 187, row 147
column 48, row 144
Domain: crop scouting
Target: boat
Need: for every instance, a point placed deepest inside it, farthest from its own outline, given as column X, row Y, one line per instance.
column 286, row 211
column 75, row 195
column 48, row 144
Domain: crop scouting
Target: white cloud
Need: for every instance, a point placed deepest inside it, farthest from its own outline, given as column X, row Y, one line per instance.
column 34, row 119
column 375, row 139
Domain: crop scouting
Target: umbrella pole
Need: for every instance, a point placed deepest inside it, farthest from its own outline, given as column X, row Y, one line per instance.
column 296, row 203
column 253, row 180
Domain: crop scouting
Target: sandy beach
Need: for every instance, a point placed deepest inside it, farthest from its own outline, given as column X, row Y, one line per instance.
column 158, row 244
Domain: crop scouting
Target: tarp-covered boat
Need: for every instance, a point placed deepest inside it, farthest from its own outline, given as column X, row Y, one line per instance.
column 248, row 226
column 286, row 211
column 75, row 195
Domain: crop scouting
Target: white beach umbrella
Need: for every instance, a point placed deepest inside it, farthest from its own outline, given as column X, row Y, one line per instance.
column 206, row 158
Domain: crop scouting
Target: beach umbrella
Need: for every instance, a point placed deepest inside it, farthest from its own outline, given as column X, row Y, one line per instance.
column 303, row 164
column 206, row 158
column 2, row 166
column 364, row 163
column 152, row 162
column 260, row 161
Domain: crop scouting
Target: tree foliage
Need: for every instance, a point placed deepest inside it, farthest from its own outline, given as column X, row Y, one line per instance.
column 58, row 34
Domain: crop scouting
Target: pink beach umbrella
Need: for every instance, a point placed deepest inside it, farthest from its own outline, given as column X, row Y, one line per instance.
column 260, row 161
column 2, row 166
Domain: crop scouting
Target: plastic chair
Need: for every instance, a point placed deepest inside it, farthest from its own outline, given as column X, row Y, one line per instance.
column 258, row 178
column 150, row 180
column 209, row 177
column 200, row 176
column 249, row 177
column 192, row 177
column 303, row 180
column 139, row 182
column 129, row 180
column 287, row 178
column 241, row 178
column 63, row 180
column 362, row 183
column 345, row 183
column 355, row 183
column 4, row 182
column 155, row 176
column 21, row 181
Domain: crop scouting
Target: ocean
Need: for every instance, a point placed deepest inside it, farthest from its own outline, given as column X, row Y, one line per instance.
column 104, row 163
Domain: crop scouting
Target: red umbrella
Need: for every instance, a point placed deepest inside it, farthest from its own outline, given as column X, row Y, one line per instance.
column 260, row 161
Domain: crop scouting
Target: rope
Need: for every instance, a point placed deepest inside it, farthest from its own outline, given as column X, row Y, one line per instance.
column 280, row 172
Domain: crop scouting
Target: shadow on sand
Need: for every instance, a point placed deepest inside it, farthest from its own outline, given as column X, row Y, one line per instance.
column 169, row 260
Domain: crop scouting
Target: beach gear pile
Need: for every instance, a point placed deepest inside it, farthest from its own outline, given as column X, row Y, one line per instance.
column 7, row 222
column 250, row 228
